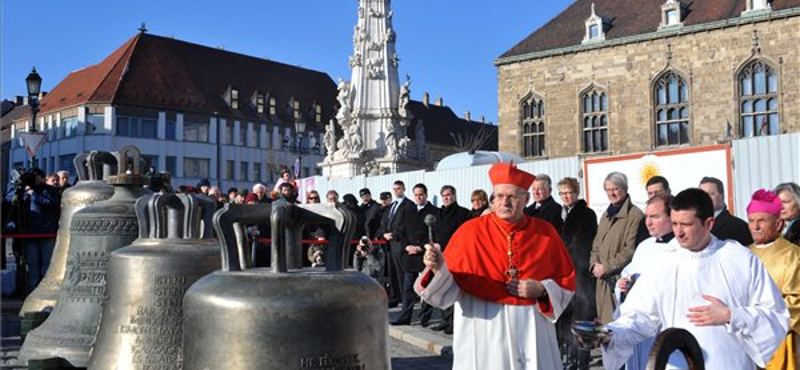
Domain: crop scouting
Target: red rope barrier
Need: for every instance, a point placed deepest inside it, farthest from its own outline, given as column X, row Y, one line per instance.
column 28, row 236
column 262, row 240
column 322, row 241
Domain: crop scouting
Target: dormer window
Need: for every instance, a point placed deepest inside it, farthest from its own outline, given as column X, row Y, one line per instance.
column 671, row 14
column 671, row 17
column 271, row 106
column 757, row 6
column 594, row 31
column 260, row 103
column 317, row 113
column 234, row 98
column 596, row 27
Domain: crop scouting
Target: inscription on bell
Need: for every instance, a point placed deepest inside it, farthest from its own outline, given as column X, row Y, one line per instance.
column 326, row 362
column 155, row 326
column 86, row 276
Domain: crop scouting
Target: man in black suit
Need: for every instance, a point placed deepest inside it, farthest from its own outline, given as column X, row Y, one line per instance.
column 401, row 211
column 372, row 212
column 411, row 258
column 544, row 206
column 453, row 216
column 726, row 226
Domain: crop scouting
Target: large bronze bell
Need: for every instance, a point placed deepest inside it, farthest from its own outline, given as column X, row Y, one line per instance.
column 142, row 316
column 96, row 231
column 90, row 188
column 243, row 318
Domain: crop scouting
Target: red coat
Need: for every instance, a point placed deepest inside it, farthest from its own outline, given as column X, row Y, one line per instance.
column 477, row 257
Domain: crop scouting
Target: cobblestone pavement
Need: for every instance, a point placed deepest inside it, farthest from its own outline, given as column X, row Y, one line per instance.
column 10, row 341
column 409, row 357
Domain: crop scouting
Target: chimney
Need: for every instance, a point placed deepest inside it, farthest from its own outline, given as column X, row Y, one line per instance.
column 439, row 101
column 467, row 116
column 483, row 119
column 19, row 100
column 426, row 99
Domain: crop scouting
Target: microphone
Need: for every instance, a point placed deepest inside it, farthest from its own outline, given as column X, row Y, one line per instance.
column 430, row 220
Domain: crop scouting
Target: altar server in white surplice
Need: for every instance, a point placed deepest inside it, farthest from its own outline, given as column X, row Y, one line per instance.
column 717, row 290
column 649, row 255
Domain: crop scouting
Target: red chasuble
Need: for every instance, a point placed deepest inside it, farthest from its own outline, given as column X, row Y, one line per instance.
column 477, row 257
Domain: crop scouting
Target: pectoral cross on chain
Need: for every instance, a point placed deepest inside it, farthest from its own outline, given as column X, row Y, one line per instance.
column 512, row 270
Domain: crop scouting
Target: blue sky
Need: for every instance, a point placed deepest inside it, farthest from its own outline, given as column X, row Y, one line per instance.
column 447, row 46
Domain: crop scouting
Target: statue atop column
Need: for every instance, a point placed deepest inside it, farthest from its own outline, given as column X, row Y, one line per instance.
column 374, row 112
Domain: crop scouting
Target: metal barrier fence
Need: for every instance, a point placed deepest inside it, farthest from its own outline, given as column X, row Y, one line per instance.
column 760, row 162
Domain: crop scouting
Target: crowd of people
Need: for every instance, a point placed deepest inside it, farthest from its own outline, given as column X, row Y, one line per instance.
column 521, row 267
column 32, row 206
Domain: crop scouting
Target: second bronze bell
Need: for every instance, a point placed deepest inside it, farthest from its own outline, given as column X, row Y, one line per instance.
column 142, row 317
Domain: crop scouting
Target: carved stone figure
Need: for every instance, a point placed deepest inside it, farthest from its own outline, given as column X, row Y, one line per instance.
column 330, row 140
column 372, row 168
column 389, row 36
column 391, row 144
column 375, row 68
column 344, row 147
column 395, row 60
column 344, row 101
column 356, row 143
column 355, row 60
column 402, row 147
column 405, row 91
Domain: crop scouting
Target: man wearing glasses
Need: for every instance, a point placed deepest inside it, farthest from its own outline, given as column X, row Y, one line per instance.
column 509, row 276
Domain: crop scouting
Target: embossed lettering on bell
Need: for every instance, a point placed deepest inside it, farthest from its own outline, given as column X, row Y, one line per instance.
column 253, row 318
column 95, row 232
column 142, row 316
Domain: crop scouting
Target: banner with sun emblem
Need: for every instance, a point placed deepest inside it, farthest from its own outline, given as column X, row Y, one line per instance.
column 683, row 168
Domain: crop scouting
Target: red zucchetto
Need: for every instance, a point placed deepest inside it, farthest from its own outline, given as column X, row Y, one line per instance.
column 508, row 173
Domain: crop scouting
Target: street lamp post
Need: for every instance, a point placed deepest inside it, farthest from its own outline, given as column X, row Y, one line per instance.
column 300, row 129
column 34, row 84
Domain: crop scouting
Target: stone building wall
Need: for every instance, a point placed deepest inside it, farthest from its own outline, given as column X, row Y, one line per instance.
column 708, row 60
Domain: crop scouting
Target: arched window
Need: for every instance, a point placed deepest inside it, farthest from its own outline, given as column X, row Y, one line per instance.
column 594, row 120
column 533, row 127
column 671, row 94
column 758, row 100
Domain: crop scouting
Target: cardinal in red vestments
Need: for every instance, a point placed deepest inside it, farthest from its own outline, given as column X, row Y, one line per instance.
column 509, row 277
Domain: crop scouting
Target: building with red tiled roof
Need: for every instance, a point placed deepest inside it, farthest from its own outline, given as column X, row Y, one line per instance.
column 609, row 77
column 197, row 112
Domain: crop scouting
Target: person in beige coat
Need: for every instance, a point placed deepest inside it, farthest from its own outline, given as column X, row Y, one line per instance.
column 614, row 244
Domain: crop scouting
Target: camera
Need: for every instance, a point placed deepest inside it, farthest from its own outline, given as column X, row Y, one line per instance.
column 22, row 178
column 364, row 245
